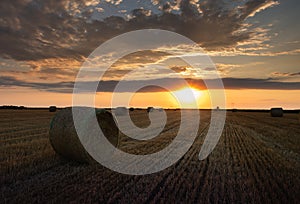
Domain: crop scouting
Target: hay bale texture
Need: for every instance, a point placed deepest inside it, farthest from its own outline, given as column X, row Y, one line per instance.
column 276, row 112
column 64, row 138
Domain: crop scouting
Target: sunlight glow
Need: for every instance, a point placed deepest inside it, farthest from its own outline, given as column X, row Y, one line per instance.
column 188, row 96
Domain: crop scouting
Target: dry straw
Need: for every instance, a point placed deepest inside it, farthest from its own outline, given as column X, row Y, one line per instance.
column 65, row 141
column 276, row 112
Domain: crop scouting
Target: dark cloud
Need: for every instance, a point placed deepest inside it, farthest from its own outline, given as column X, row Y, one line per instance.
column 285, row 74
column 250, row 83
column 109, row 85
column 61, row 87
column 37, row 29
column 179, row 69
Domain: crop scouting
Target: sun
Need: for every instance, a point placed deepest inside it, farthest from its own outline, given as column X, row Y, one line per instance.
column 188, row 96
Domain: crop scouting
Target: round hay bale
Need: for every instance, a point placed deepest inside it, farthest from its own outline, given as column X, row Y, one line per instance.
column 52, row 109
column 276, row 112
column 64, row 139
column 160, row 110
column 150, row 109
column 100, row 110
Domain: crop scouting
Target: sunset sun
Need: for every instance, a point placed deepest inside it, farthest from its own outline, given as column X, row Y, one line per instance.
column 187, row 96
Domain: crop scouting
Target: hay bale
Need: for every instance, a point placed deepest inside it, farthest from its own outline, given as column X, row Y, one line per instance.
column 120, row 111
column 64, row 139
column 100, row 110
column 150, row 109
column 52, row 109
column 276, row 112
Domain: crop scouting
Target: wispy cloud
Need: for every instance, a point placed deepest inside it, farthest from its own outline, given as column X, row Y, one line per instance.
column 240, row 52
column 260, row 5
column 285, row 74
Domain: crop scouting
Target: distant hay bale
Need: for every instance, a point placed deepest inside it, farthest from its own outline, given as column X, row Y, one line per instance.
column 100, row 110
column 64, row 139
column 276, row 112
column 120, row 111
column 52, row 109
column 150, row 109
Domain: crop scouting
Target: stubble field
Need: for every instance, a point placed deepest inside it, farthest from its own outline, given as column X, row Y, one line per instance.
column 257, row 160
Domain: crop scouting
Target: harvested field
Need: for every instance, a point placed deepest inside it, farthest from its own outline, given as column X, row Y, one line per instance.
column 257, row 160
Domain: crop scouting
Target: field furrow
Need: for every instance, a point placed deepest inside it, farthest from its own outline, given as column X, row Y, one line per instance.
column 255, row 161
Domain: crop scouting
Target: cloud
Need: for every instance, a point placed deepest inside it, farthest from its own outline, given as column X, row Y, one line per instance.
column 241, row 52
column 114, row 2
column 13, row 66
column 179, row 69
column 225, row 69
column 109, row 85
column 59, row 87
column 37, row 30
column 285, row 74
column 257, row 6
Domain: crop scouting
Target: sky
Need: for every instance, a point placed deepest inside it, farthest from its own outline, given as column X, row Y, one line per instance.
column 254, row 46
